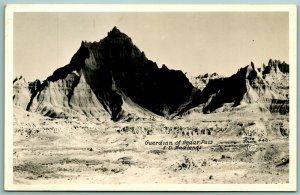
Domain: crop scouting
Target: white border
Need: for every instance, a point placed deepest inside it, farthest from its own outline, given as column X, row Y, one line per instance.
column 9, row 11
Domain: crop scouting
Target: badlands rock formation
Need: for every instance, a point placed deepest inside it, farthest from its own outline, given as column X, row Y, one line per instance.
column 113, row 79
column 21, row 93
column 113, row 71
column 229, row 130
column 268, row 87
column 201, row 81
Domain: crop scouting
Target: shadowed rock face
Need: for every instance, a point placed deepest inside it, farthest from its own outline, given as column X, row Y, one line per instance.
column 114, row 67
column 227, row 90
column 113, row 77
column 250, row 85
column 276, row 66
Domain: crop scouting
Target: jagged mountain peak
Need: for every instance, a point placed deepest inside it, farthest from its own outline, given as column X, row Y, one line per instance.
column 115, row 69
column 114, row 76
column 115, row 36
column 249, row 71
column 201, row 81
column 114, row 31
column 19, row 80
column 21, row 94
column 207, row 75
column 248, row 85
column 275, row 66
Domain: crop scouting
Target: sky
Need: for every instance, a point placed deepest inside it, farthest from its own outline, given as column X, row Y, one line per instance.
column 194, row 42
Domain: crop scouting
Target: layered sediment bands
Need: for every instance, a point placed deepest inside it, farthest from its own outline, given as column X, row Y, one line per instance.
column 65, row 98
column 114, row 78
column 84, row 101
column 52, row 98
column 113, row 70
column 115, row 62
column 21, row 92
column 221, row 91
column 279, row 106
column 268, row 87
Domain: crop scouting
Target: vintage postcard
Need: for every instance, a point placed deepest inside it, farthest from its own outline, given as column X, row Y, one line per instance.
column 150, row 97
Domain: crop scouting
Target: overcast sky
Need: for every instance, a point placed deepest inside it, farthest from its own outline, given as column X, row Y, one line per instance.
column 198, row 43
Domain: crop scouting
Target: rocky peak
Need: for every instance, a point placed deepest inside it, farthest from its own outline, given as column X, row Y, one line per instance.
column 249, row 72
column 201, row 81
column 114, row 32
column 114, row 68
column 115, row 36
column 248, row 85
column 20, row 81
column 210, row 76
column 275, row 66
column 21, row 93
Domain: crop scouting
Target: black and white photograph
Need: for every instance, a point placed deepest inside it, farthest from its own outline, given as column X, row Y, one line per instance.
column 150, row 97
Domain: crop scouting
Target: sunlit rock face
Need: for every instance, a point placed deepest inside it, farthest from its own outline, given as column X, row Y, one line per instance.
column 114, row 69
column 65, row 98
column 201, row 81
column 116, row 66
column 21, row 92
column 268, row 86
column 113, row 78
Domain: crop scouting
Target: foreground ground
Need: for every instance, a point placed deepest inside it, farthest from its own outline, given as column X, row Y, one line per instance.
column 196, row 149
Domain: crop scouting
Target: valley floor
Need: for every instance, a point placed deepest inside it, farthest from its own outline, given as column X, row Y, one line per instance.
column 211, row 149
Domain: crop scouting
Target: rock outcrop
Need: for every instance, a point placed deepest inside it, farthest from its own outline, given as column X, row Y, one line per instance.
column 21, row 92
column 113, row 78
column 67, row 97
column 201, row 81
column 115, row 70
column 268, row 86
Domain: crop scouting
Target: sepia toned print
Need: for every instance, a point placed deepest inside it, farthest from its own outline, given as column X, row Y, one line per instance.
column 212, row 102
